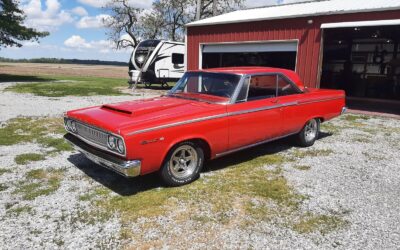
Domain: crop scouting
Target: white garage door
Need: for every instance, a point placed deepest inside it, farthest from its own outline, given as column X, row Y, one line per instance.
column 280, row 54
column 290, row 46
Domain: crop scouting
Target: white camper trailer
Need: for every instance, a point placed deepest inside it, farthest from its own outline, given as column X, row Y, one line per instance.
column 157, row 61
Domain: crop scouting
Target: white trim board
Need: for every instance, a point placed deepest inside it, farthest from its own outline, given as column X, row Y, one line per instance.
column 250, row 47
column 360, row 24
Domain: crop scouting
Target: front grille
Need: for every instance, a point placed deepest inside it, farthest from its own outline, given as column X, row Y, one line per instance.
column 92, row 134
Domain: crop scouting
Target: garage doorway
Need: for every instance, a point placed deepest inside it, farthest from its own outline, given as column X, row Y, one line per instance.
column 365, row 62
column 269, row 54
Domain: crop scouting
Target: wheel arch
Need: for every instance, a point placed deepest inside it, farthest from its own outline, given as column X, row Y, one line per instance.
column 320, row 118
column 202, row 142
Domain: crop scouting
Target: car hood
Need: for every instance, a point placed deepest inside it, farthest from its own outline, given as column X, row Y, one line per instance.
column 126, row 117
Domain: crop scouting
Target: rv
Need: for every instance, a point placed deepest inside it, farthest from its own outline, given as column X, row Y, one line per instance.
column 156, row 61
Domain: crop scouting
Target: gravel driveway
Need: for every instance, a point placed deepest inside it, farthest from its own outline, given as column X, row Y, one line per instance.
column 352, row 172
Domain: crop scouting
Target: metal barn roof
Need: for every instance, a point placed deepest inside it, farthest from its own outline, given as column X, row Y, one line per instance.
column 311, row 8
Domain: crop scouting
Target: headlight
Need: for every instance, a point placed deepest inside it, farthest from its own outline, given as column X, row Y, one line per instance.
column 73, row 126
column 70, row 125
column 120, row 146
column 140, row 59
column 111, row 141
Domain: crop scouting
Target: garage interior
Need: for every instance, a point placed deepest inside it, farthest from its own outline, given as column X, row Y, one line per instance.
column 365, row 62
column 272, row 54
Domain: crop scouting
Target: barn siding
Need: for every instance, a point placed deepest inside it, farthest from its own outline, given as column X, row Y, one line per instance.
column 308, row 35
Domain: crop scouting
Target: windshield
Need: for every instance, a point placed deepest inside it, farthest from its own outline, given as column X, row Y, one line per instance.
column 206, row 86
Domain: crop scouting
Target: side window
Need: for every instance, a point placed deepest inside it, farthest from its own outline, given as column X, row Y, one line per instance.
column 192, row 85
column 262, row 87
column 285, row 87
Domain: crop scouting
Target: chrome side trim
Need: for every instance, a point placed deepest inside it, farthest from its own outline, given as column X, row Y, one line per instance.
column 227, row 115
column 177, row 124
column 252, row 145
column 321, row 100
column 261, row 109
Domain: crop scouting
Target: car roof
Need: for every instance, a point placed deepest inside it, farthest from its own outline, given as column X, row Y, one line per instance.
column 256, row 70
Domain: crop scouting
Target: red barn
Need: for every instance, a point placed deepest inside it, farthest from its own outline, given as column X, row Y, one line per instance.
column 351, row 45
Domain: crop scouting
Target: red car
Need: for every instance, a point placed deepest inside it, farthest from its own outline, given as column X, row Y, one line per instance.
column 208, row 114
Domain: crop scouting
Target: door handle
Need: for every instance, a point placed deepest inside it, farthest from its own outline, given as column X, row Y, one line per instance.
column 275, row 101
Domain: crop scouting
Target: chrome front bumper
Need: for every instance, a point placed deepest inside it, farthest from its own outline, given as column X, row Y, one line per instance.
column 107, row 160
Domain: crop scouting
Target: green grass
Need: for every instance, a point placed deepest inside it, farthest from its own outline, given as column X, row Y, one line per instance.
column 23, row 159
column 3, row 187
column 321, row 223
column 221, row 192
column 312, row 152
column 39, row 130
column 39, row 182
column 251, row 182
column 19, row 210
column 4, row 171
column 302, row 167
column 57, row 86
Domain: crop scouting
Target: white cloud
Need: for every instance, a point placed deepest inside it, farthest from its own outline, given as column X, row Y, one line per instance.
column 144, row 4
column 94, row 3
column 80, row 11
column 92, row 21
column 47, row 19
column 77, row 42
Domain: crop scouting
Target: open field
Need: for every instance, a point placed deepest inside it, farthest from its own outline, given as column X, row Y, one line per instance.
column 43, row 69
column 342, row 193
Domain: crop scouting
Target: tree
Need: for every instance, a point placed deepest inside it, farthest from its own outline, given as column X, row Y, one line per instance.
column 124, row 20
column 209, row 8
column 172, row 16
column 12, row 30
column 165, row 20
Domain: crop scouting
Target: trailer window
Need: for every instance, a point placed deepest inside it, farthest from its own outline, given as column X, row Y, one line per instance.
column 177, row 58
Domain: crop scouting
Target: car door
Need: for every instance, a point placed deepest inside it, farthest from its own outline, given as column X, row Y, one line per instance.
column 293, row 114
column 256, row 115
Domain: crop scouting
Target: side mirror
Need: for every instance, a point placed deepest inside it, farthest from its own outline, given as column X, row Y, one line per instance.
column 177, row 58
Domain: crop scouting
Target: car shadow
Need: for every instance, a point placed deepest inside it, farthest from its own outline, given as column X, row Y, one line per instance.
column 113, row 181
column 131, row 186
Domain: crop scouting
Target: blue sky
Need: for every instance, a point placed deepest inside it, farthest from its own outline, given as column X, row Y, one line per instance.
column 75, row 29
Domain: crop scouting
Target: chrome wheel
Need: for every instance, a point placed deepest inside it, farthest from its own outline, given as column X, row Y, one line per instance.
column 311, row 130
column 183, row 161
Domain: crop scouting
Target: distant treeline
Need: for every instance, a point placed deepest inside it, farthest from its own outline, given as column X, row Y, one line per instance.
column 61, row 60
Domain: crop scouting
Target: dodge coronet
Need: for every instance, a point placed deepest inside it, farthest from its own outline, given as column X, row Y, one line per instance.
column 207, row 114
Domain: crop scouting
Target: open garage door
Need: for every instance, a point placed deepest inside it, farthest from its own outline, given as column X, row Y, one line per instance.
column 270, row 54
column 363, row 58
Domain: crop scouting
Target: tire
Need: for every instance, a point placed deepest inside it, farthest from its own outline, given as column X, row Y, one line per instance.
column 309, row 134
column 183, row 164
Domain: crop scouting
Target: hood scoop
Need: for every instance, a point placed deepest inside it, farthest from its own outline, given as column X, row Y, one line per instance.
column 144, row 107
column 116, row 109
